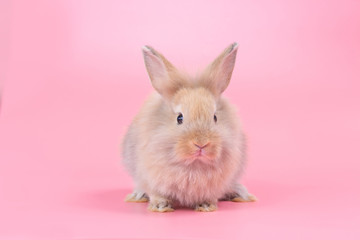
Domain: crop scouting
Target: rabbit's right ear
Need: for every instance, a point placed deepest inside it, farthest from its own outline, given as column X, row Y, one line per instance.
column 218, row 74
column 164, row 77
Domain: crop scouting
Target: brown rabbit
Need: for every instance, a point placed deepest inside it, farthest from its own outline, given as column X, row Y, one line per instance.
column 185, row 147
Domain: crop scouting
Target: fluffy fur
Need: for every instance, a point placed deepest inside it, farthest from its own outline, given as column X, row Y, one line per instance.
column 164, row 157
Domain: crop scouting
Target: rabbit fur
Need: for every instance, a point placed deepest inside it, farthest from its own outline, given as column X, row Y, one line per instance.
column 195, row 162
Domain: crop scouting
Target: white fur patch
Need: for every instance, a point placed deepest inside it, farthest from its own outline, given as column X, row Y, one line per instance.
column 177, row 109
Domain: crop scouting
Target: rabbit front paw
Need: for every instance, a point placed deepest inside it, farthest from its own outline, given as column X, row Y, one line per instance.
column 206, row 207
column 159, row 204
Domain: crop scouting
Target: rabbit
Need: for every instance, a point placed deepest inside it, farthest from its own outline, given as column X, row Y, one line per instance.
column 185, row 147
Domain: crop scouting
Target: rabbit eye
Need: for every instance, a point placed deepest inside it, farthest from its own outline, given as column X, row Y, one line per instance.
column 180, row 118
column 215, row 118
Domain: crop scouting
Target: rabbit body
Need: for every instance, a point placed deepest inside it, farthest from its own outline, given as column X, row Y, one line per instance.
column 185, row 146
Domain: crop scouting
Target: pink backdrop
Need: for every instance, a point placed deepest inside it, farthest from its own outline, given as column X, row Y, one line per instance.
column 73, row 77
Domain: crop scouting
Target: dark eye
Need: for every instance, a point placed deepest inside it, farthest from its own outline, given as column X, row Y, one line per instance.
column 215, row 118
column 180, row 118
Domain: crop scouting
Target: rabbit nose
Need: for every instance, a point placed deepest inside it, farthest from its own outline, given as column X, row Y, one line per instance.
column 201, row 146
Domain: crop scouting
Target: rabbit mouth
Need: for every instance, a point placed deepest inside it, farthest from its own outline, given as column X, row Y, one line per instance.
column 200, row 154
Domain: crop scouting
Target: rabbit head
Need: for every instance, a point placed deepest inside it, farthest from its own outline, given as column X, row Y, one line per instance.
column 196, row 116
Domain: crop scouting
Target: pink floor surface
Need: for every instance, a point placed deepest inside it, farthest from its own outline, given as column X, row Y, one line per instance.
column 74, row 78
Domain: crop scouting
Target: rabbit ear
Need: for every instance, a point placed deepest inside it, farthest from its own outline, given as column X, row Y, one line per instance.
column 164, row 77
column 217, row 75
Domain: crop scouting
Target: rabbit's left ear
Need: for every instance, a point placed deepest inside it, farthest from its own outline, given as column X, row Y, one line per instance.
column 217, row 75
column 164, row 77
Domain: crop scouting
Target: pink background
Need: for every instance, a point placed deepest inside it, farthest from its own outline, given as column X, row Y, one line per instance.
column 73, row 77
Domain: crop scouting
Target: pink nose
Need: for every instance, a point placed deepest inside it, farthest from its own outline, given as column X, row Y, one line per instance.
column 201, row 147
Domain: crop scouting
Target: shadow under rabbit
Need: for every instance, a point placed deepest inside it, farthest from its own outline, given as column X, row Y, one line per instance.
column 268, row 194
